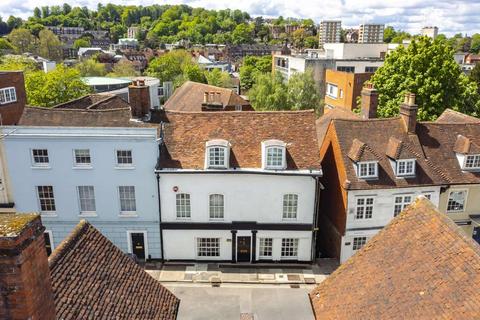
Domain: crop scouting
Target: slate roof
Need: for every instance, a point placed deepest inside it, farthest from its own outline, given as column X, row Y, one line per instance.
column 93, row 279
column 189, row 97
column 186, row 134
column 89, row 111
column 420, row 266
column 383, row 138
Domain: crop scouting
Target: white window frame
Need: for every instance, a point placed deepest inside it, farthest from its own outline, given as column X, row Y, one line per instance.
column 46, row 212
column 332, row 91
column 87, row 213
column 81, row 164
column 145, row 239
column 210, row 207
column 39, row 164
column 124, row 165
column 476, row 159
column 205, row 257
column 221, row 145
column 402, row 204
column 214, row 152
column 406, row 161
column 365, row 207
column 296, row 243
column 50, row 236
column 465, row 191
column 127, row 213
column 11, row 92
column 177, row 206
column 287, row 208
column 368, row 165
column 262, row 246
column 361, row 242
column 274, row 144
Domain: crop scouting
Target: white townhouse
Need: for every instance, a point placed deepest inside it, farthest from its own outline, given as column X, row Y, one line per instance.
column 69, row 163
column 239, row 186
column 373, row 168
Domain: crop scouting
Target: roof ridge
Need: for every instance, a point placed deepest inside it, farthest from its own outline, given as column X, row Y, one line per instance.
column 243, row 113
column 368, row 120
column 70, row 241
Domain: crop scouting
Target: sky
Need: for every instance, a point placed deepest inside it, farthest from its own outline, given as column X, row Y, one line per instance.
column 450, row 16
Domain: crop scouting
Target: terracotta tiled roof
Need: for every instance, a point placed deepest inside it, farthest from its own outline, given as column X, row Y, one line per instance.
column 187, row 132
column 93, row 279
column 189, row 97
column 378, row 135
column 88, row 111
column 420, row 266
column 450, row 116
column 324, row 121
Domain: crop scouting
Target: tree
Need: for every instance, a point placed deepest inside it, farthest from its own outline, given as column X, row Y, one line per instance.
column 303, row 91
column 37, row 13
column 426, row 68
column 269, row 92
column 311, row 42
column 170, row 66
column 475, row 44
column 14, row 22
column 54, row 87
column 243, row 33
column 5, row 45
column 388, row 34
column 475, row 76
column 91, row 68
column 124, row 68
column 23, row 40
column 298, row 37
column 22, row 63
column 219, row 78
column 82, row 43
column 49, row 45
column 251, row 66
column 192, row 72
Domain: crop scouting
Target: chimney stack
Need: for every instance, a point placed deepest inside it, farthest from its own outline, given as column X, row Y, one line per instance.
column 139, row 98
column 369, row 102
column 26, row 291
column 205, row 97
column 408, row 112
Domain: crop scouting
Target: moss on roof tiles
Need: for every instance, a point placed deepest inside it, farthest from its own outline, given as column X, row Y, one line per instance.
column 11, row 225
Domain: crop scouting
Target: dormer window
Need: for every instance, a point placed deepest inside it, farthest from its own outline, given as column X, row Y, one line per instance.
column 472, row 162
column 367, row 170
column 217, row 155
column 405, row 167
column 274, row 154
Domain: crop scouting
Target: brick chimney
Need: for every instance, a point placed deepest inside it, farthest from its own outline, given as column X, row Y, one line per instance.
column 139, row 98
column 369, row 101
column 408, row 112
column 25, row 285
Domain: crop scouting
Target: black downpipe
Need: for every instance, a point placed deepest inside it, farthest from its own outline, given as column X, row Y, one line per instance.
column 315, row 219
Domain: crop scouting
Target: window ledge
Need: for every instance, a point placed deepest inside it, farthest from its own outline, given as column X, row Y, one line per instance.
column 216, row 219
column 125, row 167
column 183, row 219
column 41, row 167
column 289, row 219
column 88, row 214
column 456, row 211
column 128, row 214
column 82, row 167
column 48, row 214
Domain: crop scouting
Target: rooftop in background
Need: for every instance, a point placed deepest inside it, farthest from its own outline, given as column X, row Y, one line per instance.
column 89, row 111
column 12, row 225
column 420, row 266
column 186, row 134
column 195, row 96
column 106, row 81
column 329, row 114
column 452, row 116
column 90, row 276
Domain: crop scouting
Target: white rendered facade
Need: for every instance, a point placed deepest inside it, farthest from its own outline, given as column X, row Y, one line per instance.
column 86, row 185
column 385, row 204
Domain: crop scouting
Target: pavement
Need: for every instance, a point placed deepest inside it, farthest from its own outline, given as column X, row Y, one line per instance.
column 219, row 274
column 244, row 302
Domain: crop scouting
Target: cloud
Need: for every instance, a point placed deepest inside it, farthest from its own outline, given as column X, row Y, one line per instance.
column 410, row 15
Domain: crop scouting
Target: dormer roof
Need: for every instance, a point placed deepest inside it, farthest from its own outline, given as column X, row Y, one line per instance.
column 465, row 145
column 359, row 151
column 397, row 150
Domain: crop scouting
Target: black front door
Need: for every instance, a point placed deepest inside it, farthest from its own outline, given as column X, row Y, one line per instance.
column 476, row 234
column 243, row 249
column 138, row 245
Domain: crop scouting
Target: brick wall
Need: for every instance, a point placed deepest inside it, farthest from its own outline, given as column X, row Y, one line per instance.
column 139, row 99
column 351, row 85
column 26, row 291
column 11, row 112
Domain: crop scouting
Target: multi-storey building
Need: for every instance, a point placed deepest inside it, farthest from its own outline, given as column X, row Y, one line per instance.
column 344, row 88
column 431, row 32
column 12, row 97
column 371, row 33
column 373, row 168
column 87, row 159
column 239, row 186
column 329, row 31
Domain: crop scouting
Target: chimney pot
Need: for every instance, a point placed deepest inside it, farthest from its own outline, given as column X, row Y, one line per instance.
column 408, row 112
column 369, row 103
column 205, row 97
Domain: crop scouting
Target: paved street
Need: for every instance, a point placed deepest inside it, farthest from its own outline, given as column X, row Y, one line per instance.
column 229, row 302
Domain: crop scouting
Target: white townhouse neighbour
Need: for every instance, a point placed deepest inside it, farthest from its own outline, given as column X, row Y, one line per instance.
column 239, row 186
column 87, row 159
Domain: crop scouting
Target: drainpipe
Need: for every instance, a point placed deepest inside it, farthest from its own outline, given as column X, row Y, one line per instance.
column 318, row 187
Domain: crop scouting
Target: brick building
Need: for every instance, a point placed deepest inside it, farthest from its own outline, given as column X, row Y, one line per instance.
column 343, row 88
column 12, row 97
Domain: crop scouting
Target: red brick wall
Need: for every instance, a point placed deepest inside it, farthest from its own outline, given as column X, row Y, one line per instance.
column 25, row 276
column 139, row 100
column 11, row 112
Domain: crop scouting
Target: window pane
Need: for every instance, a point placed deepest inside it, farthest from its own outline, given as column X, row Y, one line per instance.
column 208, row 247
column 40, row 156
column 266, row 245
column 124, row 157
column 82, row 156
column 290, row 206
column 364, row 208
column 216, row 157
column 289, row 247
column 274, row 157
column 456, row 201
column 400, row 203
column 86, row 197
column 216, row 206
column 127, row 198
column 359, row 242
column 183, row 205
column 46, row 198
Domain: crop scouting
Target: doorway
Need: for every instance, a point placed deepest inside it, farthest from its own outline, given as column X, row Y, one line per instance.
column 244, row 249
column 137, row 242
